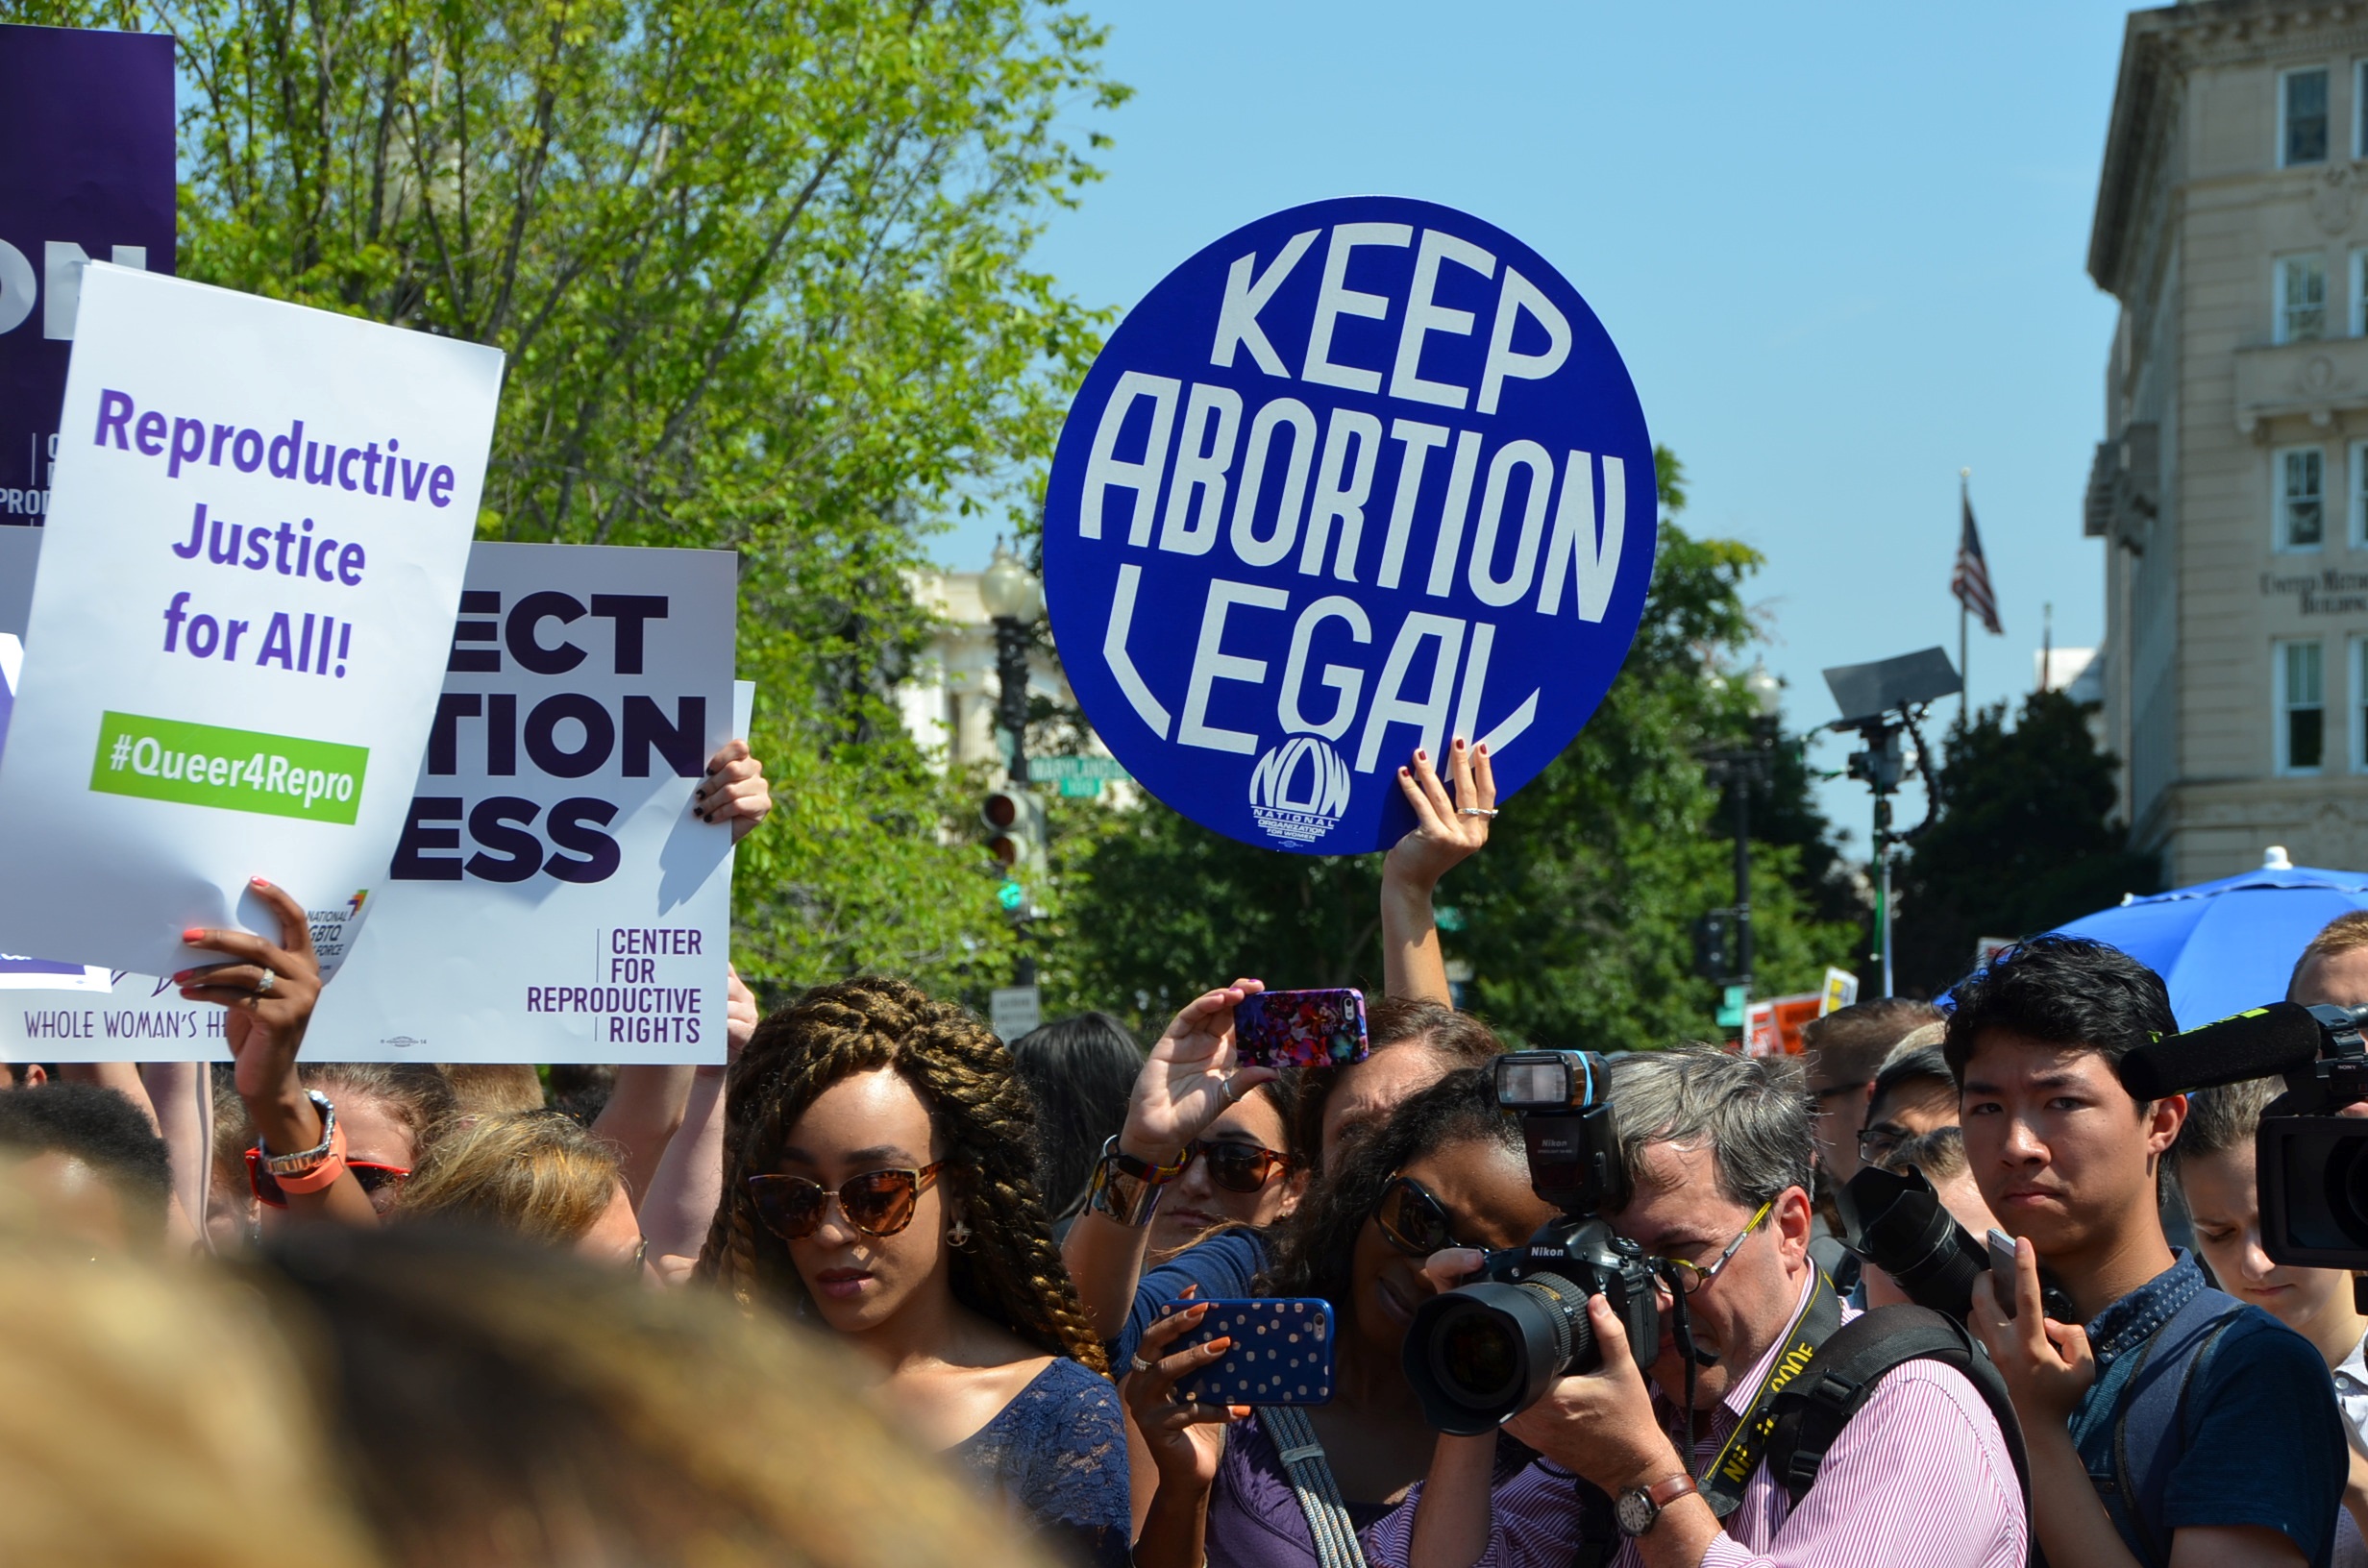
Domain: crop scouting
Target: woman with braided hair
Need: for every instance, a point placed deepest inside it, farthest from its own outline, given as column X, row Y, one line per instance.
column 880, row 1182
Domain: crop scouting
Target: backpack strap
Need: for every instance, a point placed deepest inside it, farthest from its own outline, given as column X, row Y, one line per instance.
column 1839, row 1377
column 2123, row 1477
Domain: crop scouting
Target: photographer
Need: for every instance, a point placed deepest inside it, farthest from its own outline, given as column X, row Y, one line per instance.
column 2172, row 1424
column 1717, row 1148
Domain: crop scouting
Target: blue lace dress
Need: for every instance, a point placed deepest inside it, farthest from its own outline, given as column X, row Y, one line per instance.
column 1056, row 1457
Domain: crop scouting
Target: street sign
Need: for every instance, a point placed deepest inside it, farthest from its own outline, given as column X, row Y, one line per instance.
column 1361, row 476
column 1012, row 1011
column 1731, row 1004
column 1063, row 770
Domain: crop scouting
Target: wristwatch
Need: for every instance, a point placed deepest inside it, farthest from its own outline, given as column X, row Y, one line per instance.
column 1637, row 1509
column 305, row 1160
column 1128, row 1189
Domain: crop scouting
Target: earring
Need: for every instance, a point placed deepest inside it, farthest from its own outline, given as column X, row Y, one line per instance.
column 958, row 1234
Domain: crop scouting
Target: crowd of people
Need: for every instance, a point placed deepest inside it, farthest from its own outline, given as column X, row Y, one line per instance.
column 885, row 1289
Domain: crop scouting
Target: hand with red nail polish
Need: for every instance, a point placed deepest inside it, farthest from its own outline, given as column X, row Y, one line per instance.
column 1443, row 837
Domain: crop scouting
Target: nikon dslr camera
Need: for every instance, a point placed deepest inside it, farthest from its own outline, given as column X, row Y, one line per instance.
column 1483, row 1352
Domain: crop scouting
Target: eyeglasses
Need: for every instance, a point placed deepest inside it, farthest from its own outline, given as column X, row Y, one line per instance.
column 375, row 1177
column 1879, row 1141
column 1237, row 1167
column 876, row 1203
column 1412, row 1220
column 1692, row 1277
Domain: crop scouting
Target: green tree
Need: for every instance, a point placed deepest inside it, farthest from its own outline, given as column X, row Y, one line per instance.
column 760, row 272
column 1577, row 918
column 2024, row 840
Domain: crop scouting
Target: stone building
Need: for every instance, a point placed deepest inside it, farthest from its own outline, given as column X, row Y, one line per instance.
column 2231, row 491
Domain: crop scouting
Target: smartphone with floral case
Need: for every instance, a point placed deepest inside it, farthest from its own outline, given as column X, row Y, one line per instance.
column 1300, row 1029
column 1281, row 1353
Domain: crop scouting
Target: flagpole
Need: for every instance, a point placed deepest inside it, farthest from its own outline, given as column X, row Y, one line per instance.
column 1964, row 672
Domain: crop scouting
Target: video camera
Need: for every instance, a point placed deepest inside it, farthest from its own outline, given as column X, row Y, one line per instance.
column 1483, row 1352
column 2311, row 1165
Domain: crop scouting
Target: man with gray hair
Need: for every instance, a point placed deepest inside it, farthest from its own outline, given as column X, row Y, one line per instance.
column 1717, row 1150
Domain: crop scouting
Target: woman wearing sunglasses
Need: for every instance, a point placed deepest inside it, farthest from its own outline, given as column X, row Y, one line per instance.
column 1239, row 1170
column 1446, row 1170
column 880, row 1182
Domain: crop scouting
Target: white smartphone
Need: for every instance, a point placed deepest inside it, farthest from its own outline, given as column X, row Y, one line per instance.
column 2002, row 1269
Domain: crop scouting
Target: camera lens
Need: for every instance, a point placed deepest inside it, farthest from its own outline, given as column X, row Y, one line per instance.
column 1478, row 1354
column 1897, row 1223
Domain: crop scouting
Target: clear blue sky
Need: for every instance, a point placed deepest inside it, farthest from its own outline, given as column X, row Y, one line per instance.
column 1843, row 251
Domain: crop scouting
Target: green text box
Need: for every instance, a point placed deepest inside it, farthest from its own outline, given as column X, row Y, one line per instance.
column 231, row 769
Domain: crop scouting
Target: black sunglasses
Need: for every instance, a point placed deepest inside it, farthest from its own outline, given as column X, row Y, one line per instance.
column 1413, row 1220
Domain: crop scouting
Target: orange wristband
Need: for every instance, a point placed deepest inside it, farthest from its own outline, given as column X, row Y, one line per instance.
column 331, row 1168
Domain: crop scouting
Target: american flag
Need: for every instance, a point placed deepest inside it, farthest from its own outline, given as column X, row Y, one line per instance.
column 1970, row 581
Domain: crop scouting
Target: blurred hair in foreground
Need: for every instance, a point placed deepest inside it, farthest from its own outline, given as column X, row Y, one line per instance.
column 151, row 1415
column 414, row 1396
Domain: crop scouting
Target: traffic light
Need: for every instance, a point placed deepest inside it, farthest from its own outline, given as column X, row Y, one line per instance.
column 1713, row 946
column 1015, row 822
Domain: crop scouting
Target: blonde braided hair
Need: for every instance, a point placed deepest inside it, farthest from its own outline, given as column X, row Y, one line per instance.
column 1010, row 1272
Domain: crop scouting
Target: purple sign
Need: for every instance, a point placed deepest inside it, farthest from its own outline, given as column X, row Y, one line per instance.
column 87, row 119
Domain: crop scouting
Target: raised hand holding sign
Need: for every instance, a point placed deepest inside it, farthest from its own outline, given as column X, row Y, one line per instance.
column 1363, row 476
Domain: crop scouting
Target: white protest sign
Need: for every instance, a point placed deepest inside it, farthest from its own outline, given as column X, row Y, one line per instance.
column 258, row 525
column 20, row 553
column 552, row 898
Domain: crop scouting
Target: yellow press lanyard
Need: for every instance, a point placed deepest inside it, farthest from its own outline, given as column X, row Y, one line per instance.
column 1722, row 1482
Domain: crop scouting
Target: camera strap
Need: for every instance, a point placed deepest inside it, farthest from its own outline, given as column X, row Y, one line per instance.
column 1721, row 1483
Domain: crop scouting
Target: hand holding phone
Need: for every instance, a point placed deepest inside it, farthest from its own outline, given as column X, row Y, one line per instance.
column 1281, row 1353
column 2002, row 1269
column 1301, row 1028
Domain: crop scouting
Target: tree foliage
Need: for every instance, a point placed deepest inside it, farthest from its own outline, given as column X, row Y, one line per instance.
column 1577, row 918
column 2023, row 840
column 760, row 272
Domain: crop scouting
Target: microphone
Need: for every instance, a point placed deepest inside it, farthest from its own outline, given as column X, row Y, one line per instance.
column 2259, row 1043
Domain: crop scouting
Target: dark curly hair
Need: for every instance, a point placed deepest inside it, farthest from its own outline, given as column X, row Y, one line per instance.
column 2066, row 991
column 1314, row 1248
column 105, row 1131
column 1011, row 1272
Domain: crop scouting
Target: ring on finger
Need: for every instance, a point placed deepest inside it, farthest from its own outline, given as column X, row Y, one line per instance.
column 1138, row 1364
column 1233, row 1088
column 263, row 987
column 1476, row 811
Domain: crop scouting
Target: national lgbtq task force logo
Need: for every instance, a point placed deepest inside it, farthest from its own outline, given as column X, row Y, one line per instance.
column 1299, row 791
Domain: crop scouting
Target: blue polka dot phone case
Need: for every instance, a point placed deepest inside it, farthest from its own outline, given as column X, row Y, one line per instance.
column 1281, row 1355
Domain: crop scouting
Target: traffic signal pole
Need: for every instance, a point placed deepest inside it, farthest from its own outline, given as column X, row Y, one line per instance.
column 1011, row 690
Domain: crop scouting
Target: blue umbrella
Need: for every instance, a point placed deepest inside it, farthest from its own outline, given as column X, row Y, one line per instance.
column 2224, row 947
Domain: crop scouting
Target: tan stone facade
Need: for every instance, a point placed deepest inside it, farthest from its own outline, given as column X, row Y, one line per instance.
column 2231, row 494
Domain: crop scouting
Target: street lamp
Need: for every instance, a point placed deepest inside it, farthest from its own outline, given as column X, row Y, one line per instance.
column 1014, row 601
column 1740, row 767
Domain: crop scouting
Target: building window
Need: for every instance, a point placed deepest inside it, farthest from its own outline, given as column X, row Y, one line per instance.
column 2359, row 495
column 2302, row 497
column 2359, row 694
column 2360, row 107
column 2356, row 315
column 2301, row 116
column 2301, row 707
column 2301, row 288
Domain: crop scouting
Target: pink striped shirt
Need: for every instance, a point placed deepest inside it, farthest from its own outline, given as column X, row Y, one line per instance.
column 1920, row 1476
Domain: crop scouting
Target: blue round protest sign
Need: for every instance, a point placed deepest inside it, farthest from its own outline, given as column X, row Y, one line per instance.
column 1361, row 476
